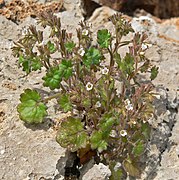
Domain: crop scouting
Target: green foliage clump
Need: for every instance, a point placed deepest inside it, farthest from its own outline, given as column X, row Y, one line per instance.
column 103, row 118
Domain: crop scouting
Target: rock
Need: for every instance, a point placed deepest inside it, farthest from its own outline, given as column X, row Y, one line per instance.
column 70, row 19
column 97, row 172
column 144, row 24
column 6, row 29
column 2, row 3
column 71, row 5
column 169, row 165
column 160, row 8
column 170, row 29
column 99, row 18
column 89, row 7
column 17, row 10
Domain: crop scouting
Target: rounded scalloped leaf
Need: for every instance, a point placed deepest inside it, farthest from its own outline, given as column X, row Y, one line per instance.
column 139, row 148
column 97, row 141
column 53, row 78
column 71, row 134
column 70, row 46
column 31, row 110
column 92, row 57
column 131, row 168
column 65, row 68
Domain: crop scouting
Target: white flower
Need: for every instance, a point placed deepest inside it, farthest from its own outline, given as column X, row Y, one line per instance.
column 81, row 52
column 89, row 86
column 134, row 122
column 105, row 70
column 98, row 104
column 85, row 32
column 123, row 133
column 129, row 107
column 113, row 133
column 117, row 166
column 127, row 101
column 128, row 104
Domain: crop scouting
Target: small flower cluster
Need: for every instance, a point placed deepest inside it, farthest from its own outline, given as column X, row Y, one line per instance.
column 105, row 71
column 85, row 32
column 81, row 52
column 128, row 105
column 123, row 133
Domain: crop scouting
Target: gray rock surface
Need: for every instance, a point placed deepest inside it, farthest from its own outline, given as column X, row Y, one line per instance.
column 97, row 172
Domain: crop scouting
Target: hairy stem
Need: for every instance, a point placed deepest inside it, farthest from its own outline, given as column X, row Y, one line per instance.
column 51, row 97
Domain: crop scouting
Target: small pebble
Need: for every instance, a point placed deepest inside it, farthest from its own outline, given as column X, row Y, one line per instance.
column 2, row 151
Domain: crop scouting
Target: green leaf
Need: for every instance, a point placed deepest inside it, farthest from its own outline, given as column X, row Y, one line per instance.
column 92, row 57
column 31, row 110
column 154, row 72
column 36, row 64
column 55, row 74
column 86, row 102
column 116, row 175
column 65, row 68
column 103, row 38
column 127, row 64
column 102, row 90
column 71, row 134
column 30, row 63
column 116, row 172
column 118, row 59
column 21, row 59
column 26, row 66
column 146, row 130
column 138, row 149
column 65, row 103
column 70, row 46
column 97, row 141
column 106, row 124
column 131, row 168
column 145, row 66
column 53, row 78
column 51, row 47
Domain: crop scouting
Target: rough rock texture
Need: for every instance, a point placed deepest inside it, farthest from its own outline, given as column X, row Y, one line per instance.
column 31, row 153
column 160, row 8
column 16, row 10
column 96, row 172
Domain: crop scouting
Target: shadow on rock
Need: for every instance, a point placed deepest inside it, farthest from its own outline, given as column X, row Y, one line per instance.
column 43, row 126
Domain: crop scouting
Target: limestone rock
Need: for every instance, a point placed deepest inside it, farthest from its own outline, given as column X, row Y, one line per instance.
column 97, row 172
column 160, row 8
